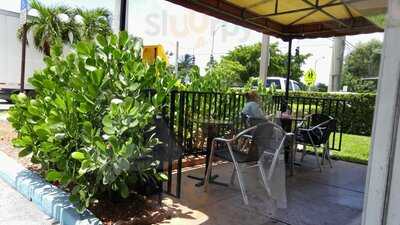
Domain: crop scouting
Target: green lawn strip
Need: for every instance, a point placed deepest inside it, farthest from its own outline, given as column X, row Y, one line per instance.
column 355, row 148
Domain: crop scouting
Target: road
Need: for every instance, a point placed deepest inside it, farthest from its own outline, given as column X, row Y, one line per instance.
column 4, row 105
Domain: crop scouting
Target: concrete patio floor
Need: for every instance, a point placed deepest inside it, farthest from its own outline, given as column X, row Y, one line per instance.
column 333, row 197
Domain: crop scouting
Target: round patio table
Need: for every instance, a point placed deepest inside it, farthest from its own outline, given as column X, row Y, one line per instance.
column 290, row 125
column 212, row 129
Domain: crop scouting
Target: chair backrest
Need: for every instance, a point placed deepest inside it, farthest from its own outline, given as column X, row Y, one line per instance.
column 251, row 121
column 245, row 120
column 269, row 139
column 323, row 123
column 316, row 119
column 168, row 146
column 330, row 127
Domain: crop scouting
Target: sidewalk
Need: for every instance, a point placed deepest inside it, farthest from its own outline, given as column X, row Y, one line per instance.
column 17, row 210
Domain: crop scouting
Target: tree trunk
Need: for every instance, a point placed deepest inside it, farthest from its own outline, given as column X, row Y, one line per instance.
column 46, row 48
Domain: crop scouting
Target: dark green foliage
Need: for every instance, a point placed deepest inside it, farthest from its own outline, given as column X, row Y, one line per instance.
column 319, row 87
column 222, row 79
column 362, row 62
column 59, row 24
column 249, row 57
column 359, row 109
column 85, row 126
column 185, row 64
column 228, row 72
column 94, row 21
column 359, row 85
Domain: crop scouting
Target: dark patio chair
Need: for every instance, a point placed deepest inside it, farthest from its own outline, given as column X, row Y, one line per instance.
column 268, row 140
column 166, row 151
column 315, row 131
column 249, row 121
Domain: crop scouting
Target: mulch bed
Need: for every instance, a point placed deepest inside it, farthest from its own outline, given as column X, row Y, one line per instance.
column 135, row 210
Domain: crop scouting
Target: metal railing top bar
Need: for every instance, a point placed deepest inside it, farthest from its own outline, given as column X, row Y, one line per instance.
column 191, row 109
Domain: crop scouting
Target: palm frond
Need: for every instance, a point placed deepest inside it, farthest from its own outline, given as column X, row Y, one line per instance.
column 49, row 26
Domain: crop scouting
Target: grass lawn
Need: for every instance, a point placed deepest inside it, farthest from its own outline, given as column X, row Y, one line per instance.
column 355, row 148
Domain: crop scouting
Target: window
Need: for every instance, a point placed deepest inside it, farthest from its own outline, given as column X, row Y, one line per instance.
column 296, row 86
column 274, row 82
column 290, row 86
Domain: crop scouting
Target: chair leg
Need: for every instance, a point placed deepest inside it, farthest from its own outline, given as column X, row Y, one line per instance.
column 233, row 175
column 328, row 156
column 264, row 178
column 303, row 153
column 241, row 183
column 208, row 169
column 317, row 158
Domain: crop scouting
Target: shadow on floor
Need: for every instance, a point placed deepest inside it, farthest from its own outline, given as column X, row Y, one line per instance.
column 331, row 197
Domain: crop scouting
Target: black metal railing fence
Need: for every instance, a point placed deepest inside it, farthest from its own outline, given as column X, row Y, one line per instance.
column 188, row 110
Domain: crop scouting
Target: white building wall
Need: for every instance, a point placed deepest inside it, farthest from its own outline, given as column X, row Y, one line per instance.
column 382, row 196
column 10, row 52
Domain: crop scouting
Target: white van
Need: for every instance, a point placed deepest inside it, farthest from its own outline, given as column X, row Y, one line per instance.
column 280, row 84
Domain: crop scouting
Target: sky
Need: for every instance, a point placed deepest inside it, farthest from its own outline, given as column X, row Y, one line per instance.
column 161, row 22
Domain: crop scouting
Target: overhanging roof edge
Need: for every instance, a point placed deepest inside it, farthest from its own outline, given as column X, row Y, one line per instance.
column 229, row 12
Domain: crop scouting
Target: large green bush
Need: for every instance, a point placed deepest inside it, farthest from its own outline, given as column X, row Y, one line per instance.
column 358, row 112
column 85, row 126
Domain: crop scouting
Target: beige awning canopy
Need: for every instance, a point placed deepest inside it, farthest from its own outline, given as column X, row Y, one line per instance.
column 289, row 19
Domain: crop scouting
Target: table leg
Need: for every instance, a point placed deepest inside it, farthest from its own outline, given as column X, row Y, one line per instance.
column 212, row 177
column 292, row 155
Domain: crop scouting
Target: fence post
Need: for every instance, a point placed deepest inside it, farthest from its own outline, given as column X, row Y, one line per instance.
column 171, row 130
column 180, row 140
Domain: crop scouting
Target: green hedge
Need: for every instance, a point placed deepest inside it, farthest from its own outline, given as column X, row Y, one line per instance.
column 359, row 109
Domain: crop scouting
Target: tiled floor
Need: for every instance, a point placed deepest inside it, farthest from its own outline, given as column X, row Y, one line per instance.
column 333, row 197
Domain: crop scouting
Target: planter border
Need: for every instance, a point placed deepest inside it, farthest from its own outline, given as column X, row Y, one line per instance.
column 50, row 199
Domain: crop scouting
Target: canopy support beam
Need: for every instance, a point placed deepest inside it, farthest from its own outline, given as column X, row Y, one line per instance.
column 289, row 69
column 122, row 21
column 264, row 61
column 326, row 13
column 329, row 4
column 120, row 16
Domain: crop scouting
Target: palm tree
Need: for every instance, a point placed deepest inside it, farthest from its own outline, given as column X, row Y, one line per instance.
column 51, row 25
column 95, row 21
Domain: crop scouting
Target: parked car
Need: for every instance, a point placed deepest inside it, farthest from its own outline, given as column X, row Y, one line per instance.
column 280, row 84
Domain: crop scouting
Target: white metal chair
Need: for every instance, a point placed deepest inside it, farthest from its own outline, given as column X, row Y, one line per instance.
column 268, row 141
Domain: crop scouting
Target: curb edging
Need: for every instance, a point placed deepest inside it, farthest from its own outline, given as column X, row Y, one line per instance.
column 49, row 198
